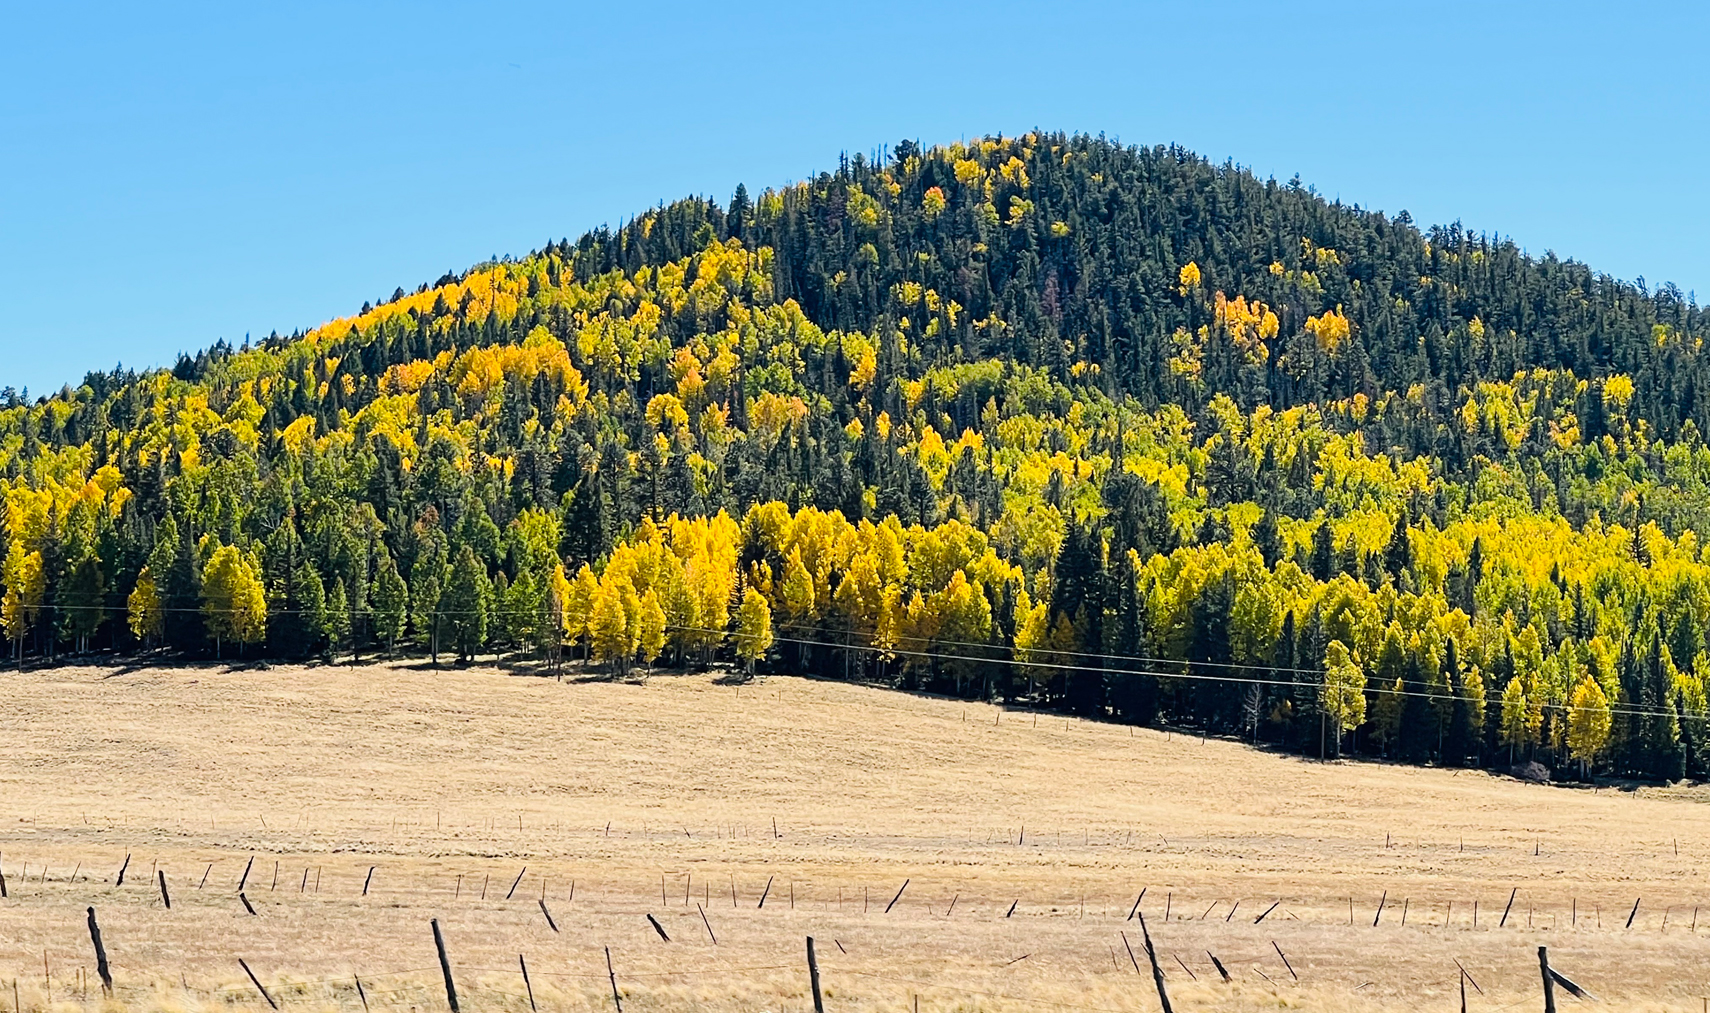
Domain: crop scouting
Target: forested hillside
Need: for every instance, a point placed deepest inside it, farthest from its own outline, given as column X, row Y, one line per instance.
column 1105, row 429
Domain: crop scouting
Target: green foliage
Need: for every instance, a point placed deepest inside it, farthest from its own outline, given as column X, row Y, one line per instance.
column 466, row 605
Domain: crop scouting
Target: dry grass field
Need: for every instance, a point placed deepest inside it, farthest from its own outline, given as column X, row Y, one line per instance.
column 623, row 800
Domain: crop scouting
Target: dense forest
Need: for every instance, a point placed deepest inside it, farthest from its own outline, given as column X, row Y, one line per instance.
column 1045, row 419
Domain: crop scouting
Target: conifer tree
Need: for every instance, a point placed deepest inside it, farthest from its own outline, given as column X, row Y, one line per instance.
column 337, row 625
column 465, row 606
column 391, row 604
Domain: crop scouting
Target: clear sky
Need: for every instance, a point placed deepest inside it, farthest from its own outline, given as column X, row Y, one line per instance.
column 174, row 173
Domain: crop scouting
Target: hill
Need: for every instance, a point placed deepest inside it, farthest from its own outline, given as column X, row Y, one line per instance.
column 1023, row 838
column 1109, row 430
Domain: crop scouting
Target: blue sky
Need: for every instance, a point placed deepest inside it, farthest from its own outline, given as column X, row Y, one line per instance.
column 171, row 174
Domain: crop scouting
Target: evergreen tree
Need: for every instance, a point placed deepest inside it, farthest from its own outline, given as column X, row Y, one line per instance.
column 83, row 600
column 467, row 601
column 391, row 604
column 338, row 625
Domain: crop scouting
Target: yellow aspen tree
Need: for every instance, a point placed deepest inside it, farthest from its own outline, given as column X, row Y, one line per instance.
column 26, row 584
column 234, row 603
column 1589, row 722
column 608, row 627
column 579, row 608
column 1514, row 729
column 1344, row 690
column 651, row 634
column 753, row 628
column 795, row 591
column 143, row 607
column 559, row 592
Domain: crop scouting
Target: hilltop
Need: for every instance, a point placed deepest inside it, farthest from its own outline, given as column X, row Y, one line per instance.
column 1045, row 419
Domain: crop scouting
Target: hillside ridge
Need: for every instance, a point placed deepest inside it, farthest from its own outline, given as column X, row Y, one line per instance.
column 1107, row 429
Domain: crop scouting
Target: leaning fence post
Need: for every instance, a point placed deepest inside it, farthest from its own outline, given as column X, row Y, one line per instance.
column 1157, row 972
column 1549, row 982
column 898, row 897
column 813, row 978
column 526, row 984
column 165, row 898
column 100, row 955
column 444, row 967
column 258, row 985
column 611, row 974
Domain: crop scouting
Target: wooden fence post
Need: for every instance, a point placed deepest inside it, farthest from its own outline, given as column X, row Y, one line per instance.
column 165, row 898
column 549, row 922
column 1549, row 982
column 100, row 955
column 526, row 984
column 444, row 967
column 611, row 974
column 813, row 977
column 245, row 877
column 1136, row 906
column 258, row 985
column 1157, row 972
column 898, row 897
